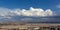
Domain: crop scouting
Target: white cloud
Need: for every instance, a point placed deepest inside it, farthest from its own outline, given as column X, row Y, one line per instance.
column 31, row 12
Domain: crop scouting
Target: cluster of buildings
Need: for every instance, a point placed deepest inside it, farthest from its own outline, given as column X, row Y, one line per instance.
column 32, row 26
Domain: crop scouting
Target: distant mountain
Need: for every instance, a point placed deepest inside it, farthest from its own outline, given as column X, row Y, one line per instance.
column 32, row 19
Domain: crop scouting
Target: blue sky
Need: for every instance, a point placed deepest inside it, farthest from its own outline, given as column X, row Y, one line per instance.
column 13, row 9
column 45, row 4
column 26, row 4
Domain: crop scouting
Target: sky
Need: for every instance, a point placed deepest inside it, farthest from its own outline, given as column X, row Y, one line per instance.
column 45, row 4
column 26, row 4
column 14, row 9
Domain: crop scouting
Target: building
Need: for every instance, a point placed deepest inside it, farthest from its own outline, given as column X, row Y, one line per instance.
column 32, row 26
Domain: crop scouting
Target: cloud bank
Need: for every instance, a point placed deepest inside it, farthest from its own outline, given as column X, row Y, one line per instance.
column 23, row 15
column 5, row 12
